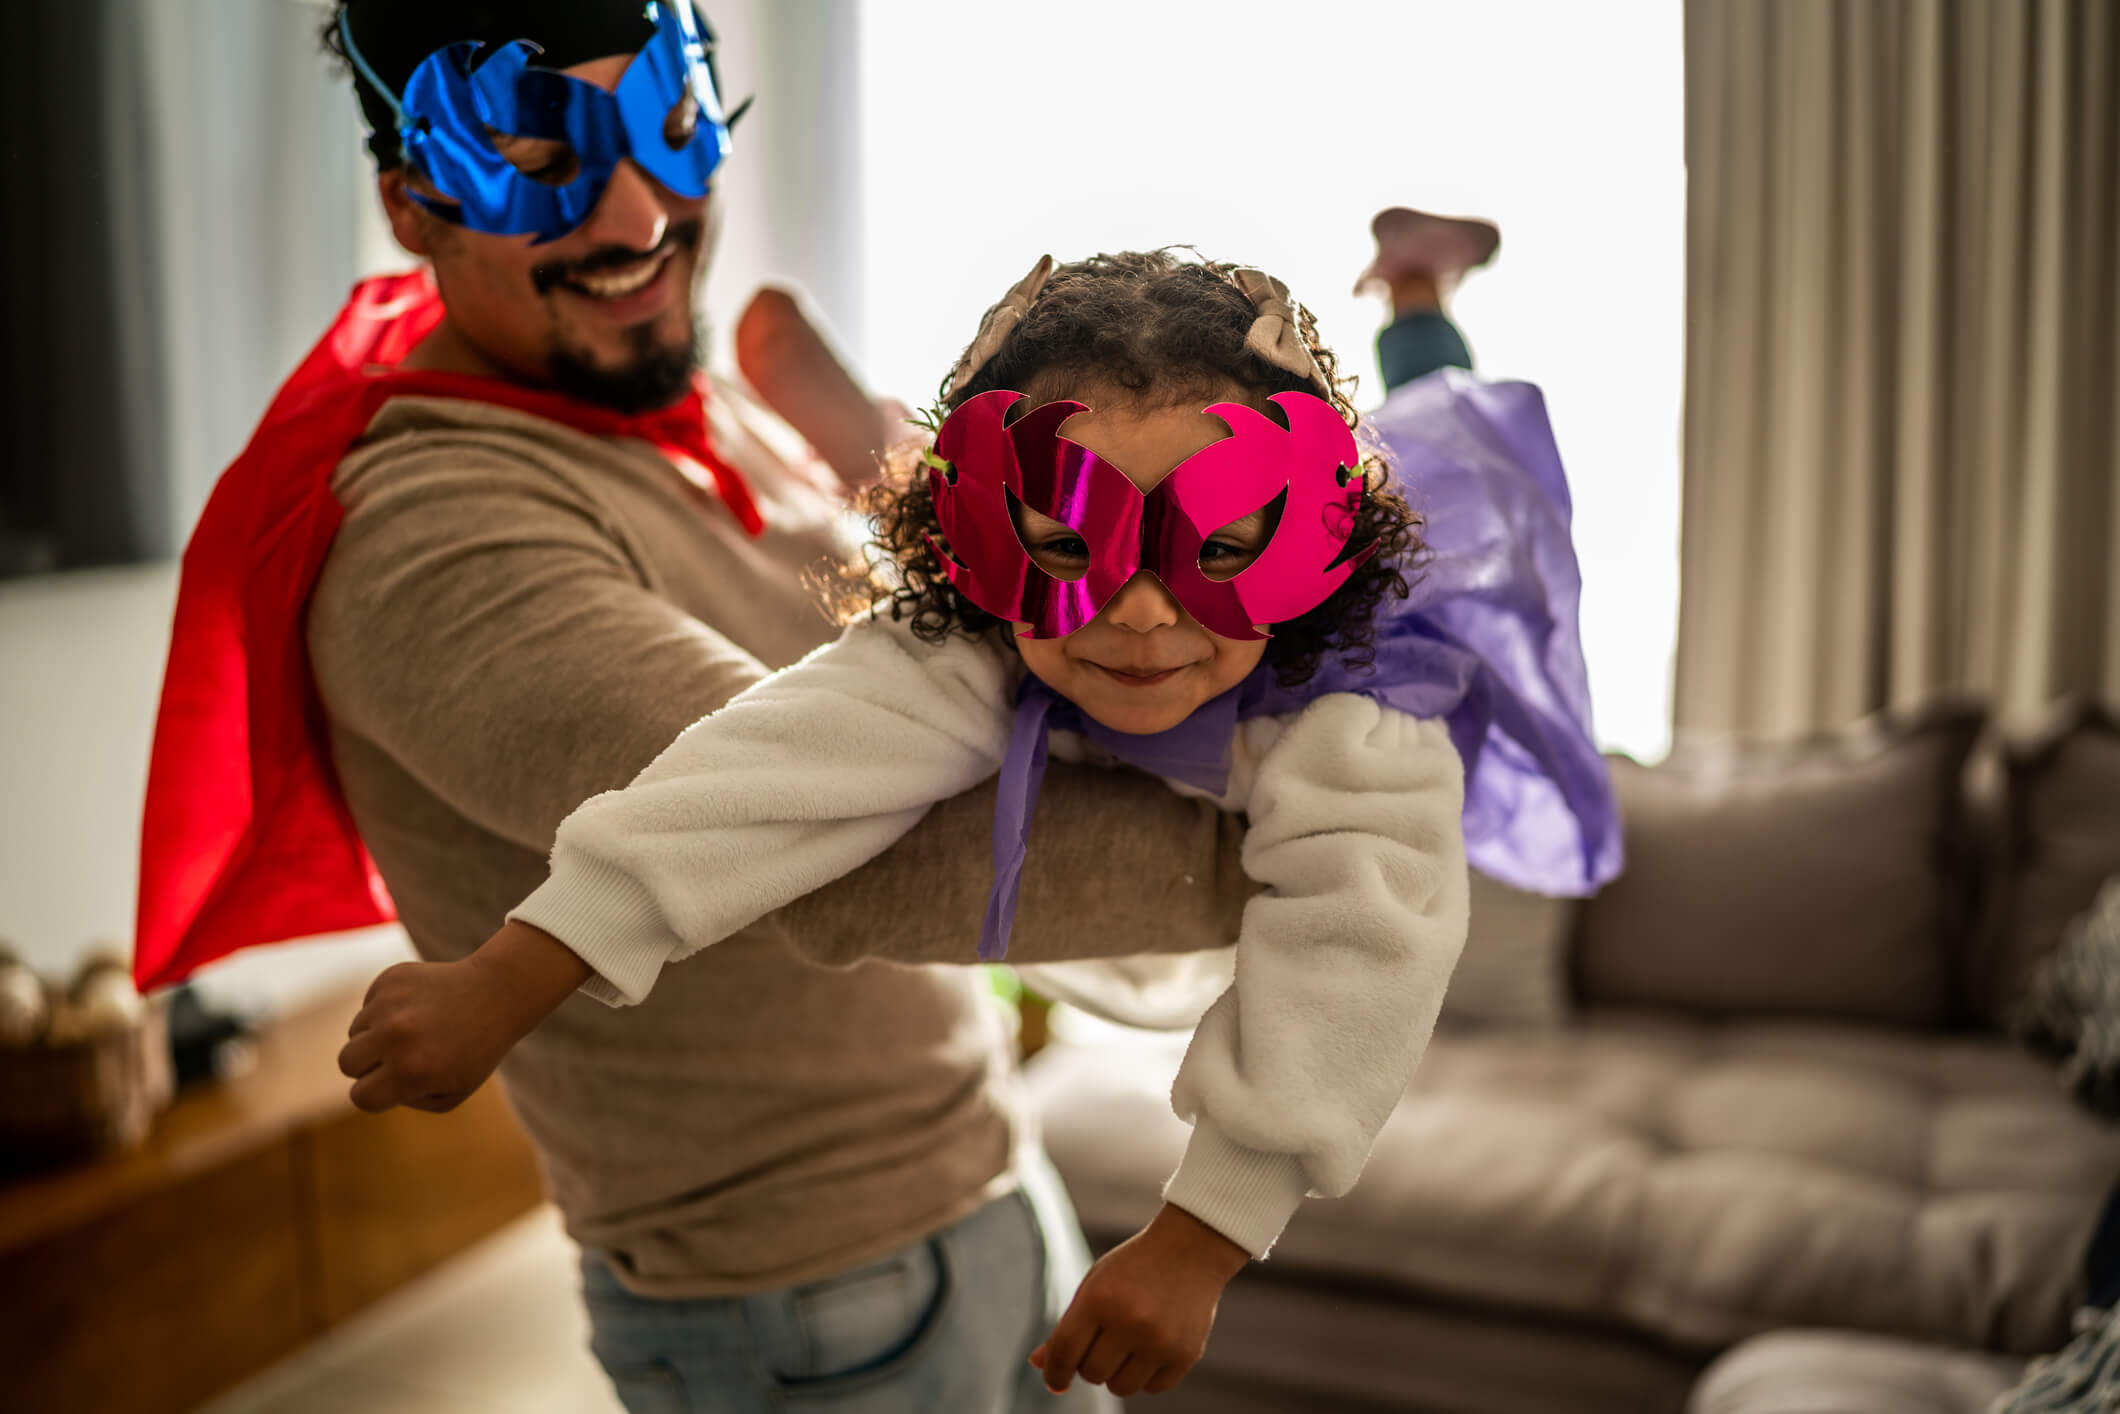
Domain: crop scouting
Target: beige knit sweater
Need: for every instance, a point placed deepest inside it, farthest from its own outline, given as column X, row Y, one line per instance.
column 516, row 617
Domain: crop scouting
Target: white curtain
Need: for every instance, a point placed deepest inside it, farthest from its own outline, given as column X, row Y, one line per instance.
column 1270, row 133
column 241, row 165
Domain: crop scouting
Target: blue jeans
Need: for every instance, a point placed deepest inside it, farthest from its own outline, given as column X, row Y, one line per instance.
column 943, row 1326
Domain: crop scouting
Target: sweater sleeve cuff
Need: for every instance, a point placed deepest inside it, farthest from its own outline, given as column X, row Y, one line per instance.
column 607, row 919
column 1247, row 1195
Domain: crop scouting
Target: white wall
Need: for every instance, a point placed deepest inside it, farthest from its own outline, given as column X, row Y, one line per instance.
column 83, row 660
column 1269, row 133
column 80, row 669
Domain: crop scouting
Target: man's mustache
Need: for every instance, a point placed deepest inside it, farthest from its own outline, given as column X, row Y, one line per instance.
column 681, row 235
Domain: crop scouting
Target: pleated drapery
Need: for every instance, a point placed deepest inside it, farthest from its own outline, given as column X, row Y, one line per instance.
column 1903, row 355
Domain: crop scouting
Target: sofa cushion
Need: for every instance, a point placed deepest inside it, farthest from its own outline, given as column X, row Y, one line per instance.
column 1840, row 1372
column 1698, row 1181
column 2059, row 840
column 1514, row 969
column 1819, row 878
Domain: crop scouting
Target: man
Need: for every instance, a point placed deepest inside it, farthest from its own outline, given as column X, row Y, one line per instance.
column 800, row 1170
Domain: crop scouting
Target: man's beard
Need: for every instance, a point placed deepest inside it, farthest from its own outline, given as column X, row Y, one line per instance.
column 655, row 375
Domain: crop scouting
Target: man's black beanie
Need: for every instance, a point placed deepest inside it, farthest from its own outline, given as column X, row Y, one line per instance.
column 394, row 36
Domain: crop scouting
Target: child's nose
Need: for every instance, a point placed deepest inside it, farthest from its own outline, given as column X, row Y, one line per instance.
column 1142, row 603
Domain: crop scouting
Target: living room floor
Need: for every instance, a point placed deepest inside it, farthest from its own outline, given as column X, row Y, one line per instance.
column 497, row 1330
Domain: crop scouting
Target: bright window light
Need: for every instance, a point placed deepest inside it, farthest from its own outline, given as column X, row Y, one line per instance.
column 1269, row 134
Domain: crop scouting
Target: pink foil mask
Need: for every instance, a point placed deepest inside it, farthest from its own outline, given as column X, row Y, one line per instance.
column 1312, row 463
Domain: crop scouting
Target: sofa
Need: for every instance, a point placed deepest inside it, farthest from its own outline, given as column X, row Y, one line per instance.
column 1743, row 1134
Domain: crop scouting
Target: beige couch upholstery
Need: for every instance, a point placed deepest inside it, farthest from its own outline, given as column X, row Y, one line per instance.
column 1775, row 1106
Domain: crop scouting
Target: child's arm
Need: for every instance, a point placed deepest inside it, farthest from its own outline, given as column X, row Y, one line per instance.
column 1340, row 967
column 1139, row 1321
column 429, row 1033
column 794, row 783
column 1355, row 828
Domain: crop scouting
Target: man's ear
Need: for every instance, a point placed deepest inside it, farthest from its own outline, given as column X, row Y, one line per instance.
column 409, row 221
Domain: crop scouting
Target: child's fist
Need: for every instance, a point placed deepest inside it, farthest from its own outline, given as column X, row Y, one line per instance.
column 1139, row 1321
column 427, row 1035
column 430, row 1033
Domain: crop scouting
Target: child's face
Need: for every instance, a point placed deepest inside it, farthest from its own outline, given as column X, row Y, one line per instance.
column 1143, row 665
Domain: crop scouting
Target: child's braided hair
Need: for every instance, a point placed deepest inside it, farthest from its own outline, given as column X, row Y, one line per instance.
column 1162, row 331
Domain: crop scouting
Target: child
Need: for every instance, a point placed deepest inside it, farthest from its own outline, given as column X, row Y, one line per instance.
column 1078, row 491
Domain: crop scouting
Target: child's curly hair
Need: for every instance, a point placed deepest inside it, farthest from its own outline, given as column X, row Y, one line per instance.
column 1167, row 332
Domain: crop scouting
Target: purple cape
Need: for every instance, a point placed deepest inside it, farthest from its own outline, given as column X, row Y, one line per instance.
column 1488, row 641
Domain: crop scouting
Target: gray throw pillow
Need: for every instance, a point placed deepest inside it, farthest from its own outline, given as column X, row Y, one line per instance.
column 1814, row 877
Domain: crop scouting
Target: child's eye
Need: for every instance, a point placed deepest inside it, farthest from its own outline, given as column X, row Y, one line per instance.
column 1061, row 556
column 1232, row 549
column 1053, row 545
column 1222, row 559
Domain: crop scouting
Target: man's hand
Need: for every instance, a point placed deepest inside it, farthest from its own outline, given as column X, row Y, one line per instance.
column 429, row 1033
column 1139, row 1321
column 788, row 361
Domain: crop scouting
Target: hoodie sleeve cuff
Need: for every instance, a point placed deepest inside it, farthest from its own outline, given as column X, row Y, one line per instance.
column 1247, row 1195
column 608, row 920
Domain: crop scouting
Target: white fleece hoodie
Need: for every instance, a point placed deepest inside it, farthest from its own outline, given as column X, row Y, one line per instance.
column 1319, row 1013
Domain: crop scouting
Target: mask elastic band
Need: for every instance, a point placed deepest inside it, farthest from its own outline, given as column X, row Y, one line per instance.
column 360, row 65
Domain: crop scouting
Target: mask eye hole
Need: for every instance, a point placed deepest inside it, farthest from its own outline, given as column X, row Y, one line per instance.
column 544, row 160
column 1053, row 545
column 1234, row 548
column 681, row 123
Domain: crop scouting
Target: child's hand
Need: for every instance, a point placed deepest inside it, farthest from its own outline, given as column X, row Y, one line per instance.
column 429, row 1033
column 1140, row 1319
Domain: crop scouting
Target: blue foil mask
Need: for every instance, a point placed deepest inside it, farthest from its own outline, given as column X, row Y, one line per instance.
column 466, row 101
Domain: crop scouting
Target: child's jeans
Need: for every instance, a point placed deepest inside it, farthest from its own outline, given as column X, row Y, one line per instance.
column 946, row 1324
column 1417, row 344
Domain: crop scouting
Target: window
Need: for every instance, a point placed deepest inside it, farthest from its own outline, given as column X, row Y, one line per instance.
column 1270, row 133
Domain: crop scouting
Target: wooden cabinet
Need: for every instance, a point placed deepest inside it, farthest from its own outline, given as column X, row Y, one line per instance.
column 259, row 1213
column 396, row 1193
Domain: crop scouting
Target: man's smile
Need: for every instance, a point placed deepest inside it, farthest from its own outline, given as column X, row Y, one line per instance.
column 625, row 280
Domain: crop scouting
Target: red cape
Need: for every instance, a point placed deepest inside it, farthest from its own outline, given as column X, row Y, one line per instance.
column 246, row 838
